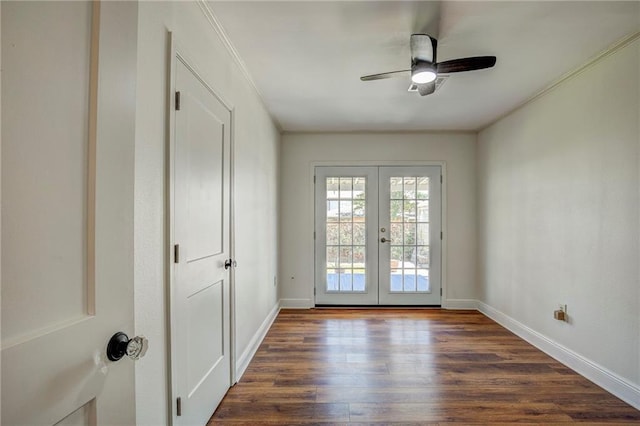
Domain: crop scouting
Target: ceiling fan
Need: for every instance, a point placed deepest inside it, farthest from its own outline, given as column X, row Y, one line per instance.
column 425, row 68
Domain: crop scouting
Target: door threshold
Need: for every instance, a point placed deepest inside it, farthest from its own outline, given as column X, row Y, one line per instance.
column 378, row 306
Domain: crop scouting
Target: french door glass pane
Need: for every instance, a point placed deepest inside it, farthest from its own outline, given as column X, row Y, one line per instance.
column 423, row 188
column 346, row 234
column 409, row 234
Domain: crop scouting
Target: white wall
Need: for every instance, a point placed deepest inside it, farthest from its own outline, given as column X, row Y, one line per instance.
column 301, row 150
column 256, row 144
column 558, row 212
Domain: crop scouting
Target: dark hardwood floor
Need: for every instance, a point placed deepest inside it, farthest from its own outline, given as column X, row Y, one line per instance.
column 366, row 366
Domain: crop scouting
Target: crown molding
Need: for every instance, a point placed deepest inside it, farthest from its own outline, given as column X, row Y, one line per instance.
column 217, row 27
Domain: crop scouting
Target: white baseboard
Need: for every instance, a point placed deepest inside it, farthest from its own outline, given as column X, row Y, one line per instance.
column 461, row 304
column 243, row 361
column 618, row 386
column 296, row 303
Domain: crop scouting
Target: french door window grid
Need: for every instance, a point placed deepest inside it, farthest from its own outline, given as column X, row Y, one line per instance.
column 346, row 234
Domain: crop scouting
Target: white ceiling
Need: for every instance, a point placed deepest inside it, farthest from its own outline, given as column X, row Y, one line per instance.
column 306, row 57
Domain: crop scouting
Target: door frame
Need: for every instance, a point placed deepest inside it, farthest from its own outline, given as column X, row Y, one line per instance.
column 178, row 52
column 346, row 163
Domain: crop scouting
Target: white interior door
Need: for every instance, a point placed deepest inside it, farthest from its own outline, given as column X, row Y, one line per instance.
column 68, row 73
column 378, row 235
column 201, row 370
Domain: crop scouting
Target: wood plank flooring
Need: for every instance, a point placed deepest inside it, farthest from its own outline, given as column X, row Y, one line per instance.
column 366, row 366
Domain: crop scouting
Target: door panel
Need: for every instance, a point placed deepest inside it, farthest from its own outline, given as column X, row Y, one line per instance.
column 31, row 259
column 378, row 235
column 83, row 416
column 67, row 199
column 200, row 220
column 204, row 169
column 204, row 333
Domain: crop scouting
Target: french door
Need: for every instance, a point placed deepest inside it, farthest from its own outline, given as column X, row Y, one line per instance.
column 378, row 235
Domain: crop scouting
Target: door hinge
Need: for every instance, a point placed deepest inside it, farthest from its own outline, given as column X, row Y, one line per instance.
column 179, row 406
column 177, row 101
column 440, row 291
column 441, row 235
column 440, row 178
column 314, row 179
column 314, row 235
column 314, row 291
column 176, row 253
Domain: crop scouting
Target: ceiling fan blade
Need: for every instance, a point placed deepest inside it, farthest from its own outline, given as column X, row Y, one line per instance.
column 385, row 75
column 466, row 64
column 423, row 48
column 427, row 88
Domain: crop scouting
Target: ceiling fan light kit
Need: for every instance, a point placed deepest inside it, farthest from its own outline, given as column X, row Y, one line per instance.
column 425, row 68
column 423, row 72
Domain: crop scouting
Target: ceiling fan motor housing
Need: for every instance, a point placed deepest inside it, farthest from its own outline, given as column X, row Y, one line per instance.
column 423, row 58
column 423, row 48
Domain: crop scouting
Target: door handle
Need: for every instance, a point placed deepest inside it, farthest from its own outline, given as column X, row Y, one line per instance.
column 229, row 263
column 120, row 345
column 384, row 240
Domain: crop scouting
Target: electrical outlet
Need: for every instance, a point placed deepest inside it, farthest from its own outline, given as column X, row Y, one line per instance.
column 561, row 313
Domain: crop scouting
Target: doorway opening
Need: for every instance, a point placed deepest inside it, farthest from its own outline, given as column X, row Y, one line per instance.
column 378, row 235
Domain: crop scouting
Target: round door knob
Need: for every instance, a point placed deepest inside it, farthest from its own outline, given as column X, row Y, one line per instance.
column 137, row 347
column 120, row 345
